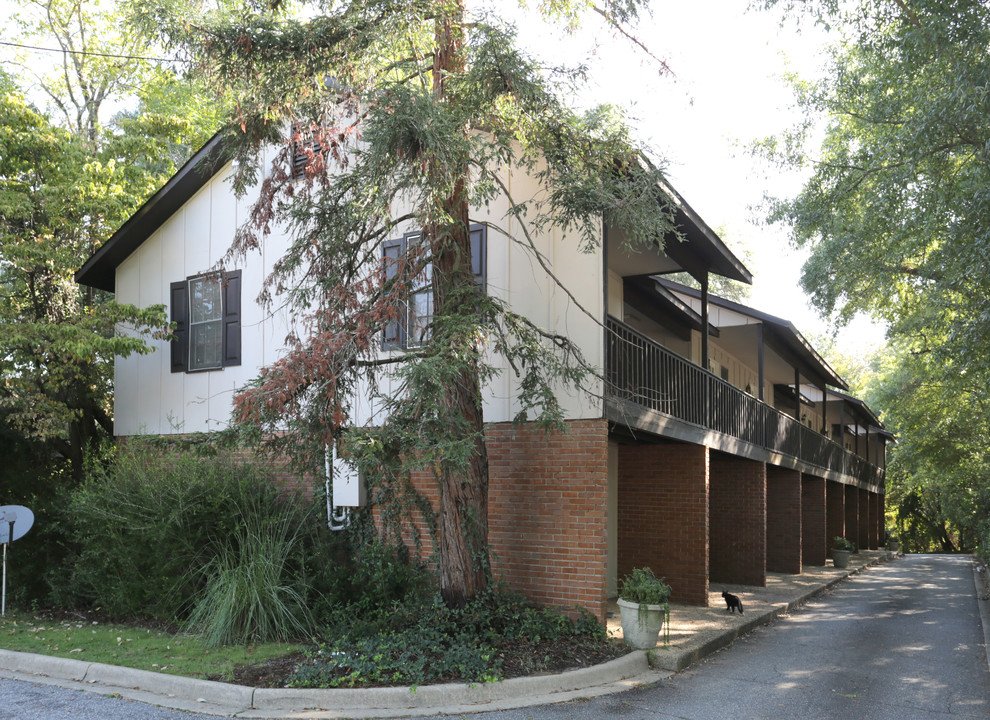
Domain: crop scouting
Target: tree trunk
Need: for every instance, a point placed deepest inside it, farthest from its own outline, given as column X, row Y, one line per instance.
column 463, row 516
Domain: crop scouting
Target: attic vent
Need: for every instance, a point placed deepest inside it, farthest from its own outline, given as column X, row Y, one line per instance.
column 306, row 149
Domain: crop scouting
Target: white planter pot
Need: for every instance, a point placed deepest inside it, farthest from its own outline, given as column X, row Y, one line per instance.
column 641, row 631
column 840, row 558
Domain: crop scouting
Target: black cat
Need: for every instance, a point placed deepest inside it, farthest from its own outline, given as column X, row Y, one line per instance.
column 732, row 603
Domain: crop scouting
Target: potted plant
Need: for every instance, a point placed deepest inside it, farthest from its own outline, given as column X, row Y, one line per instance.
column 893, row 544
column 841, row 550
column 643, row 607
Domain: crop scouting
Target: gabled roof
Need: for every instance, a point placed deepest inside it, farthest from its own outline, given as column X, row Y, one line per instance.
column 873, row 421
column 704, row 250
column 664, row 302
column 100, row 270
column 782, row 331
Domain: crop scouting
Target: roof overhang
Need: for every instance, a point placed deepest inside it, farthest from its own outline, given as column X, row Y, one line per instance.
column 101, row 268
column 780, row 331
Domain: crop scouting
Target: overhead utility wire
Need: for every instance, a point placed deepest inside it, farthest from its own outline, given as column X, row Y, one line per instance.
column 87, row 52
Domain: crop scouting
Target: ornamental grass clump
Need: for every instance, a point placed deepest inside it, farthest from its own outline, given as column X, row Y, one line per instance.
column 247, row 597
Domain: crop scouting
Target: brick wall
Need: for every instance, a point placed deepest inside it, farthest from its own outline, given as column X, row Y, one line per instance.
column 835, row 511
column 784, row 538
column 738, row 536
column 875, row 536
column 814, row 531
column 852, row 513
column 547, row 513
column 547, row 500
column 863, row 537
column 663, row 515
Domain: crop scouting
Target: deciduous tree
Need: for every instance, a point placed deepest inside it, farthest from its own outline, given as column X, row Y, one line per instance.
column 896, row 214
column 68, row 178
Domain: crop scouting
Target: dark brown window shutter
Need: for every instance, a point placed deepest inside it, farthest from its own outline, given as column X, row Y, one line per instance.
column 479, row 254
column 179, row 297
column 232, row 318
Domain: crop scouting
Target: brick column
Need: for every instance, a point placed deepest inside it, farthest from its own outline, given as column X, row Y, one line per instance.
column 783, row 520
column 814, row 544
column 835, row 511
column 863, row 538
column 882, row 519
column 852, row 512
column 875, row 539
column 663, row 515
column 738, row 520
column 547, row 503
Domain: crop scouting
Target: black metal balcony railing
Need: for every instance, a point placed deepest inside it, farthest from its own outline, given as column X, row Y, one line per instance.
column 648, row 374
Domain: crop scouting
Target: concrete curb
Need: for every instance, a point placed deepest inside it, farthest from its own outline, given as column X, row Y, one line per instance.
column 619, row 674
column 981, row 579
column 205, row 696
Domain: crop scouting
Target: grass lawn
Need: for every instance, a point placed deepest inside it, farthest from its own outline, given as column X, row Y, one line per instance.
column 128, row 645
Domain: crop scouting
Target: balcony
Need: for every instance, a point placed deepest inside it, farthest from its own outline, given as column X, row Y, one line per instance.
column 685, row 401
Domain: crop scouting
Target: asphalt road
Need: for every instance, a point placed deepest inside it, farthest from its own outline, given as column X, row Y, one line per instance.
column 902, row 641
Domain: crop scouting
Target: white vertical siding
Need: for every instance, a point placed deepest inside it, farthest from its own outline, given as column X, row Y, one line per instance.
column 151, row 399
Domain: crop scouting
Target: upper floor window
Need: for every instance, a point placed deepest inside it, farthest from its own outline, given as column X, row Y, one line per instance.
column 206, row 310
column 414, row 328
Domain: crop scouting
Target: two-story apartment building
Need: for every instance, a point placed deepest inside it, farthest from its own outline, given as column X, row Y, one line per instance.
column 700, row 452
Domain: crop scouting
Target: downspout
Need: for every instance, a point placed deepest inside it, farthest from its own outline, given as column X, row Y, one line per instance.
column 605, row 337
column 842, row 425
column 824, row 410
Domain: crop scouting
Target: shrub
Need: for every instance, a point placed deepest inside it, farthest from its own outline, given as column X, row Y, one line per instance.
column 147, row 526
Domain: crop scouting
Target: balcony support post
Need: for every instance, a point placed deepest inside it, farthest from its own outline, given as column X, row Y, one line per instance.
column 704, row 346
column 759, row 362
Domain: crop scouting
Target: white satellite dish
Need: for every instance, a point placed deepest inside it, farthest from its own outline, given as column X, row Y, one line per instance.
column 15, row 521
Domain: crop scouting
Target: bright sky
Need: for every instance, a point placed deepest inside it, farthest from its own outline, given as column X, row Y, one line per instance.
column 728, row 91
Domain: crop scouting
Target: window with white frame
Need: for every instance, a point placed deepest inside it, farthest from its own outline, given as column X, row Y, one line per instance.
column 206, row 311
column 414, row 328
column 205, row 324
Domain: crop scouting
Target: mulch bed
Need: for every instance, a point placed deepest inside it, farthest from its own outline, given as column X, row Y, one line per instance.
column 519, row 659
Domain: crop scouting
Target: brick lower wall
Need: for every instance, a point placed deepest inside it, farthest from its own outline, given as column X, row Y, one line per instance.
column 784, row 539
column 738, row 536
column 547, row 512
column 814, row 530
column 852, row 513
column 881, row 520
column 835, row 510
column 863, row 535
column 663, row 515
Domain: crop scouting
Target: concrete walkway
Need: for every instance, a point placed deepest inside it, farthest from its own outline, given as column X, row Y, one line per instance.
column 694, row 633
